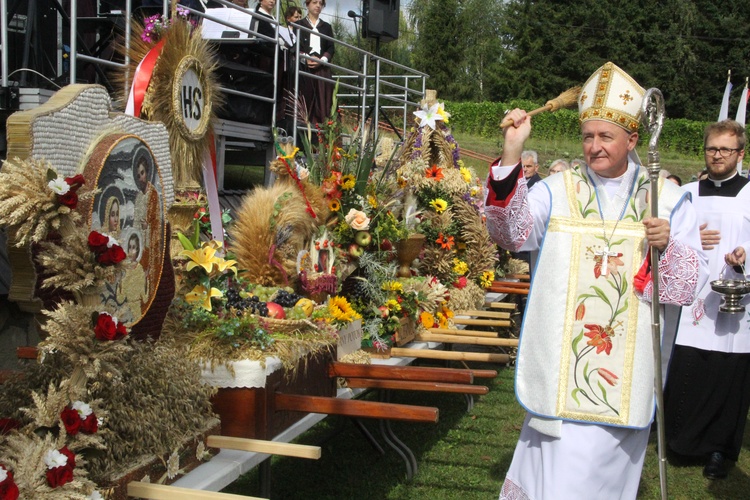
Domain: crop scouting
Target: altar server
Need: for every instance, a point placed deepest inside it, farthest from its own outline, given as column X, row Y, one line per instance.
column 707, row 396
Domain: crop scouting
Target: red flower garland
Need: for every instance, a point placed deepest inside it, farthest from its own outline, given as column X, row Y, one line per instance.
column 108, row 252
column 75, row 422
column 108, row 328
column 62, row 474
column 8, row 488
column 70, row 199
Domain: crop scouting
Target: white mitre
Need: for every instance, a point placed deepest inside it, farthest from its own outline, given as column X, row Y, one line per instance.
column 611, row 95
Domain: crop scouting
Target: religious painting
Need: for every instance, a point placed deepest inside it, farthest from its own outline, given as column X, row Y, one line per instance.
column 129, row 207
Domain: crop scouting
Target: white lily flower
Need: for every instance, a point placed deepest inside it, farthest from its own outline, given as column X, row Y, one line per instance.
column 429, row 116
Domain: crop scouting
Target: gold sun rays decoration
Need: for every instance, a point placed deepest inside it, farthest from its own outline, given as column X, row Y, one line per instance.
column 183, row 91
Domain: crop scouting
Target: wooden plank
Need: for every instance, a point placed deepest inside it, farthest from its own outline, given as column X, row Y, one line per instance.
column 27, row 352
column 508, row 290
column 262, row 446
column 407, row 385
column 466, row 333
column 355, row 408
column 511, row 284
column 164, row 492
column 454, row 339
column 481, row 322
column 484, row 314
column 526, row 277
column 500, row 305
column 413, row 373
column 484, row 373
column 450, row 355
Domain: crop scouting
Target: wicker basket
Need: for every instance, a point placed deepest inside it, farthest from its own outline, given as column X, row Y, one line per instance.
column 285, row 325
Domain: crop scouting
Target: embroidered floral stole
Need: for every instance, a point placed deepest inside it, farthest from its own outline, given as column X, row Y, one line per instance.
column 601, row 322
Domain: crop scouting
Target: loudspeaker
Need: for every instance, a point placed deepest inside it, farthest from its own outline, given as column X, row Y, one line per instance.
column 380, row 19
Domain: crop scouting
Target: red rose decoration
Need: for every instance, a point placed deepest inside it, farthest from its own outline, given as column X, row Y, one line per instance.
column 7, row 425
column 98, row 242
column 90, row 424
column 59, row 476
column 75, row 182
column 8, row 488
column 71, row 457
column 72, row 421
column 69, row 199
column 111, row 256
column 107, row 329
column 460, row 283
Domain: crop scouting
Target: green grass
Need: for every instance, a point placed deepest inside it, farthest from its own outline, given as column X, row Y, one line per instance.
column 464, row 456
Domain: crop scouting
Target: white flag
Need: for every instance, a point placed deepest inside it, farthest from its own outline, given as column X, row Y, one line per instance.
column 742, row 107
column 741, row 117
column 724, row 113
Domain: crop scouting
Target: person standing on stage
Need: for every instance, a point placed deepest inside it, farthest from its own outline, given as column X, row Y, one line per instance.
column 585, row 367
column 707, row 398
column 317, row 93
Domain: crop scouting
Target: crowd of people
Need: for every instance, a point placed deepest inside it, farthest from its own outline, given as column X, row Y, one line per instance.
column 585, row 369
column 243, row 65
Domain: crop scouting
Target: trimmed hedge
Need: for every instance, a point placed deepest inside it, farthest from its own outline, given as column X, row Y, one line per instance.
column 483, row 119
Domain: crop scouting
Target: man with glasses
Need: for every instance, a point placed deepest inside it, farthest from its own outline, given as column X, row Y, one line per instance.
column 707, row 396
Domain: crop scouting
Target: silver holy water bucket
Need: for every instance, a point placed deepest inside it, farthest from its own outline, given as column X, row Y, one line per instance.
column 732, row 292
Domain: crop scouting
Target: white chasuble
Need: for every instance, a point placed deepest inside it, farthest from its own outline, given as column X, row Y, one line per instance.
column 586, row 346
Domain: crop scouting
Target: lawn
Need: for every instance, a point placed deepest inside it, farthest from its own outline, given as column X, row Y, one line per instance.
column 464, row 456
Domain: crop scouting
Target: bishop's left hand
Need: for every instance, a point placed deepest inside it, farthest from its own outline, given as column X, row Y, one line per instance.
column 657, row 232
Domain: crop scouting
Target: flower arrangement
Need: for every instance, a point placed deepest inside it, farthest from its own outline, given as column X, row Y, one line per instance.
column 447, row 197
column 36, row 200
column 155, row 26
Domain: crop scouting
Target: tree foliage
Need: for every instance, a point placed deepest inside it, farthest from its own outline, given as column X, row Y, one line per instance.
column 496, row 50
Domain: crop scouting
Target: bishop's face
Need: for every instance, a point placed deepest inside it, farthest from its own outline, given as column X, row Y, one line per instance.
column 721, row 167
column 606, row 147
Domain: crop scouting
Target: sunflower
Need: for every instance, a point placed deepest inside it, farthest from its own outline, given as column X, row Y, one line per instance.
column 347, row 182
column 435, row 173
column 334, row 205
column 445, row 242
column 393, row 286
column 487, row 278
column 439, row 205
column 341, row 310
column 465, row 174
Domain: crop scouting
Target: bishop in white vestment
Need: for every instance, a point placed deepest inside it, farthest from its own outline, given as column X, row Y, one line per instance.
column 585, row 367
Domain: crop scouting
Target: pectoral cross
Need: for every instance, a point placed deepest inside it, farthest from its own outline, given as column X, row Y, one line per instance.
column 605, row 255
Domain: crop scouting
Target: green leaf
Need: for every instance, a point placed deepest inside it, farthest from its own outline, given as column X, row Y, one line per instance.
column 51, row 174
column 601, row 295
column 196, row 239
column 618, row 242
column 585, row 374
column 621, row 310
column 186, row 243
column 576, row 341
column 604, row 391
column 574, row 395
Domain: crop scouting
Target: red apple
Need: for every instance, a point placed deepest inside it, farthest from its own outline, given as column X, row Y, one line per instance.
column 356, row 250
column 275, row 310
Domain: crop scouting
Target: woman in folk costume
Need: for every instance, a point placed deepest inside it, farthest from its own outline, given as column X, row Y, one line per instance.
column 585, row 369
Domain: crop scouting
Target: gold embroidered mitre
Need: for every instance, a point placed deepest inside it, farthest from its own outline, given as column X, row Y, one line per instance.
column 612, row 95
